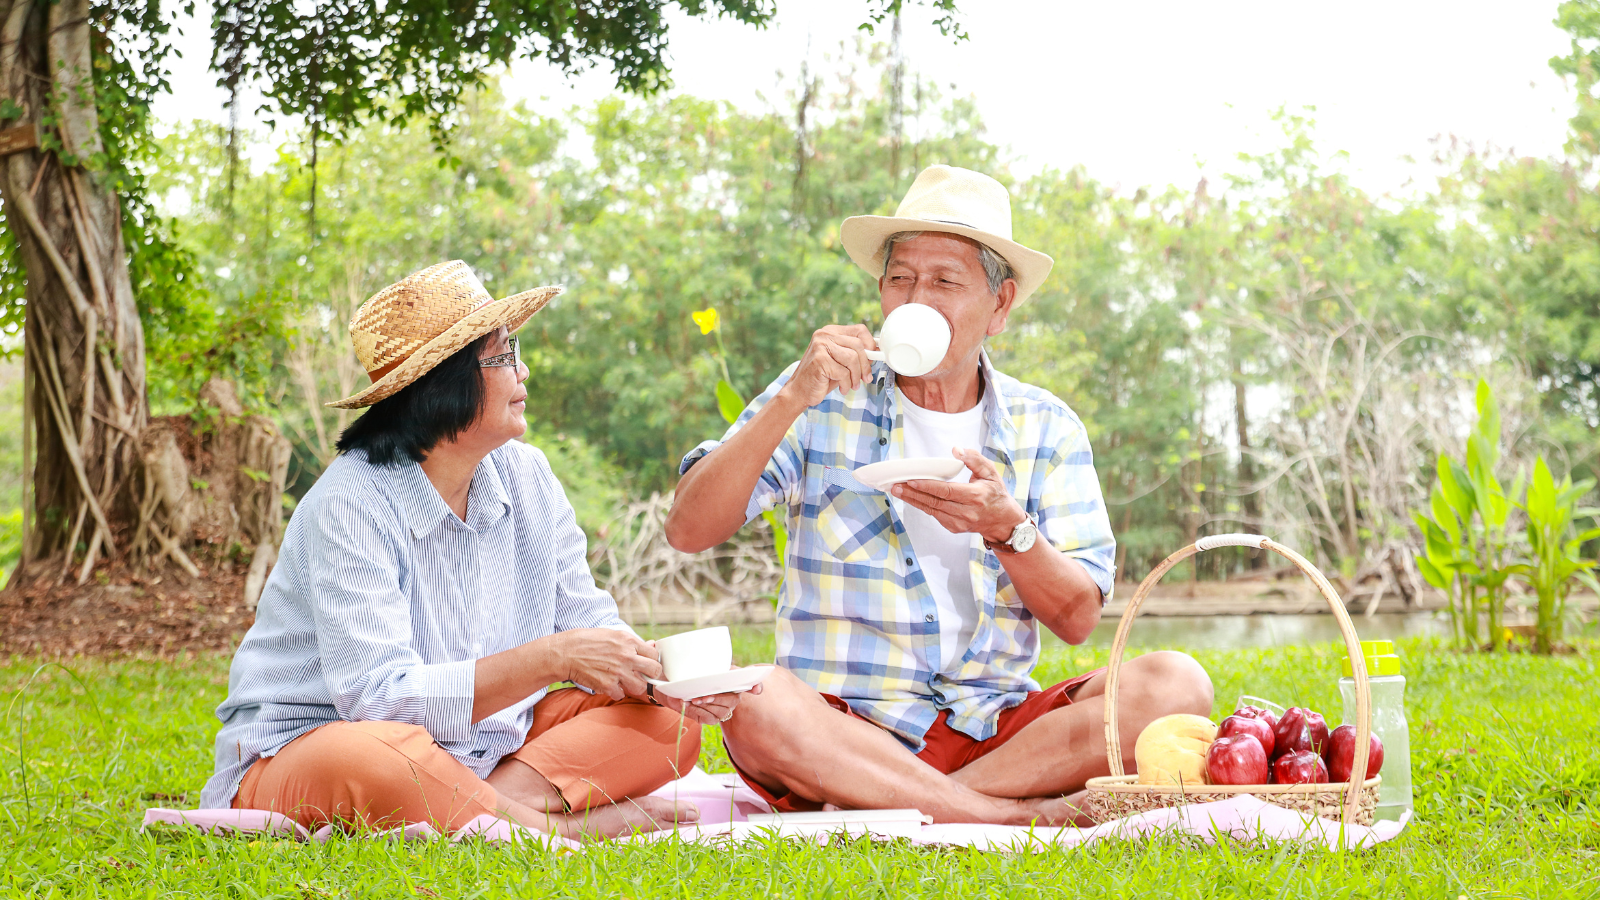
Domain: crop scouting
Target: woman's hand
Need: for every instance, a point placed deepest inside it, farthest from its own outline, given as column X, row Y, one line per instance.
column 608, row 662
column 712, row 710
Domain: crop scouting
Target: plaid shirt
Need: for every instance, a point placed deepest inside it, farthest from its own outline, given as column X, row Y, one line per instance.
column 856, row 618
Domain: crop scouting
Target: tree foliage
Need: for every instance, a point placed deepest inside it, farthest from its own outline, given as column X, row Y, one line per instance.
column 1281, row 352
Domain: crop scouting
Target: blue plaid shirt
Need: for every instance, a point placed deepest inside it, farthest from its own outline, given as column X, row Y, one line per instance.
column 856, row 618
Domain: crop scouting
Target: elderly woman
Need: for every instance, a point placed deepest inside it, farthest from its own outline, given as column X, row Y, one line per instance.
column 431, row 587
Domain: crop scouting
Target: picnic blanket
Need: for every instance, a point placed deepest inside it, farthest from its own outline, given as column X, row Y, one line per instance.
column 726, row 806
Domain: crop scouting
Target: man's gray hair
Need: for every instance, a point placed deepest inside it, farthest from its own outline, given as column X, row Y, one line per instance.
column 995, row 267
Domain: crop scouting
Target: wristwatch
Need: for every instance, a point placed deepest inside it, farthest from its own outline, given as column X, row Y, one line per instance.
column 1021, row 540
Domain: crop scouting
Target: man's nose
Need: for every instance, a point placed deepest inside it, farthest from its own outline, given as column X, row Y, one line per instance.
column 920, row 291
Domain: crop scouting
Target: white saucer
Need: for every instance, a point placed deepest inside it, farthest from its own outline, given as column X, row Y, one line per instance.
column 881, row 475
column 733, row 681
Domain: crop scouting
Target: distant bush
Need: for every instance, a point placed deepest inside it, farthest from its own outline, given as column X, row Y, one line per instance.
column 10, row 542
column 595, row 486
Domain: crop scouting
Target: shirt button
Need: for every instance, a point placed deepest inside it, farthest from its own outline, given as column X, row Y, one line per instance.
column 882, row 441
column 928, row 617
column 908, row 561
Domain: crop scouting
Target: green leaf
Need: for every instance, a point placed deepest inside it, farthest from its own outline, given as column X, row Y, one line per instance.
column 728, row 401
column 1488, row 422
column 1454, row 482
column 1431, row 574
column 1541, row 500
column 1443, row 515
column 1480, row 459
column 780, row 532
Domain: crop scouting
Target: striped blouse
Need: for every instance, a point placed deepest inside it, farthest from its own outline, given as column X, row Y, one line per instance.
column 382, row 602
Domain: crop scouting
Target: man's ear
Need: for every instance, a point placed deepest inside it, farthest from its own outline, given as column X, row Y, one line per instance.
column 1003, row 302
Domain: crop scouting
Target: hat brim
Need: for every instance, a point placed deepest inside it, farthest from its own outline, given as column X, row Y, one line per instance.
column 513, row 312
column 863, row 238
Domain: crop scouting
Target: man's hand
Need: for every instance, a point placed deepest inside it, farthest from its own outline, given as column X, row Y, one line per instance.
column 982, row 506
column 608, row 662
column 835, row 358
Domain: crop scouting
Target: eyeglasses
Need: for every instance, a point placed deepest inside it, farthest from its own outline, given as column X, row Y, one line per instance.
column 508, row 358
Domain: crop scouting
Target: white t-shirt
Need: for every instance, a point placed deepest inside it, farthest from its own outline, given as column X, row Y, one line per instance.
column 945, row 558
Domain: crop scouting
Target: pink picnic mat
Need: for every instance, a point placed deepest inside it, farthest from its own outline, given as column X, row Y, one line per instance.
column 726, row 805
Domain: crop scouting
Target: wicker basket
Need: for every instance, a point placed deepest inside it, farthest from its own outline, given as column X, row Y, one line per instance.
column 1118, row 795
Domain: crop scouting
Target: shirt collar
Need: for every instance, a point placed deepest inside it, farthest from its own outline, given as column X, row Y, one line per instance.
column 425, row 509
column 1002, row 431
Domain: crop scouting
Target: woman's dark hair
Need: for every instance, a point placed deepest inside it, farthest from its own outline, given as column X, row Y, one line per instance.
column 436, row 407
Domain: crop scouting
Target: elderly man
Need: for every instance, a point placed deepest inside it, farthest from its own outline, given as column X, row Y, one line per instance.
column 908, row 627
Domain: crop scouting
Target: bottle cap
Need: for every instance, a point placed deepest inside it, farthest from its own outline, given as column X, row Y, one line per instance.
column 1380, row 659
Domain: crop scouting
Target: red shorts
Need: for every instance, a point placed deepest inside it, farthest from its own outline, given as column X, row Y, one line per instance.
column 946, row 749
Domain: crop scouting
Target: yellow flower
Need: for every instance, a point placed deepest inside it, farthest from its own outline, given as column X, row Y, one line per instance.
column 706, row 319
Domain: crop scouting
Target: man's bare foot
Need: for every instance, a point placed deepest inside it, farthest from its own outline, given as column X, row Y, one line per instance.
column 621, row 819
column 1056, row 812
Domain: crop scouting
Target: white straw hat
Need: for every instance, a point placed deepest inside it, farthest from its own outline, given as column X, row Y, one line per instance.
column 953, row 200
column 409, row 327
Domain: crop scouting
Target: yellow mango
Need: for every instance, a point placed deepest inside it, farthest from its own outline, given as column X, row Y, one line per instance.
column 1172, row 750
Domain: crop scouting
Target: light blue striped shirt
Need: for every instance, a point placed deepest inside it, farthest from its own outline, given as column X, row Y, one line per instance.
column 382, row 602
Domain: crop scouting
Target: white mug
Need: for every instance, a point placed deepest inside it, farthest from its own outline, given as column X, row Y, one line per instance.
column 913, row 340
column 692, row 654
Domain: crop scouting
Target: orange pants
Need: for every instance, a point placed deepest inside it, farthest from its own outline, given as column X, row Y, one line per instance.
column 593, row 749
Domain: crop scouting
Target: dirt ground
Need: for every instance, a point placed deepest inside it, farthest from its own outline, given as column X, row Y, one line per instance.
column 123, row 612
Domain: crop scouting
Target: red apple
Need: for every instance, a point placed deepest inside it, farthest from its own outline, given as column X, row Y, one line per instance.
column 1342, row 753
column 1257, row 728
column 1299, row 767
column 1300, row 729
column 1256, row 712
column 1238, row 759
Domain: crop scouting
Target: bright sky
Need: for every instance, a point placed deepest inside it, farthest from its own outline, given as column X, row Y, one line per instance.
column 1144, row 93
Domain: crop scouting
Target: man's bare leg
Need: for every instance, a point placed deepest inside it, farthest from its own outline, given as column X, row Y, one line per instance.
column 528, row 798
column 1059, row 751
column 789, row 739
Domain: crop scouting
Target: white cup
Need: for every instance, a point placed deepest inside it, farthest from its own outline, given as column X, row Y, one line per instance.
column 914, row 339
column 692, row 654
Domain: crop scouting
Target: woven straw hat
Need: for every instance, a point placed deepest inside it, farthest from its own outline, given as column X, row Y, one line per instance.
column 953, row 200
column 409, row 327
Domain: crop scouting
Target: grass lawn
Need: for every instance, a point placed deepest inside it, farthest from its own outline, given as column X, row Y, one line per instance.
column 1505, row 765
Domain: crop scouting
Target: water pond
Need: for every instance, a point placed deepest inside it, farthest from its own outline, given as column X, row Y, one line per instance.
column 1229, row 632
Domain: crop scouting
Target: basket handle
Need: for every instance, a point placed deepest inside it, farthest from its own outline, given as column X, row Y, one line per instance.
column 1212, row 542
column 1358, row 769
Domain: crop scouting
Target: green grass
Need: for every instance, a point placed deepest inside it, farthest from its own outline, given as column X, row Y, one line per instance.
column 1507, row 776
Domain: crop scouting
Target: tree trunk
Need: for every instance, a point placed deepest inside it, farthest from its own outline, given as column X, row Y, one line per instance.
column 84, row 348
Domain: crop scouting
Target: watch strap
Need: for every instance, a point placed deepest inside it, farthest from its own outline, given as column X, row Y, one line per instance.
column 1005, row 546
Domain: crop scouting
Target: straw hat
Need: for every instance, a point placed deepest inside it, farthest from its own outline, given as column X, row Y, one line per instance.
column 953, row 200
column 409, row 327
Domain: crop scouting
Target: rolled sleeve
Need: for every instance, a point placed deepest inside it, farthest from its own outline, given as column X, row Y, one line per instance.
column 780, row 478
column 1072, row 511
column 363, row 631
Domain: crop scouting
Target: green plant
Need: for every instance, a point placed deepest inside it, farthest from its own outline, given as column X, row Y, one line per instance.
column 1468, row 550
column 10, row 542
column 730, row 403
column 1555, row 549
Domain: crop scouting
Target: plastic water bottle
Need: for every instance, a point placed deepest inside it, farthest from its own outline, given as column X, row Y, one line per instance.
column 1388, row 688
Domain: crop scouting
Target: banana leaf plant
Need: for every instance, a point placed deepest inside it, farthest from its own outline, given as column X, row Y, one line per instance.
column 1468, row 550
column 1555, row 560
column 730, row 403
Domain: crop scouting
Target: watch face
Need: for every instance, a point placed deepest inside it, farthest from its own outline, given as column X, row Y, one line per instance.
column 1022, row 539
